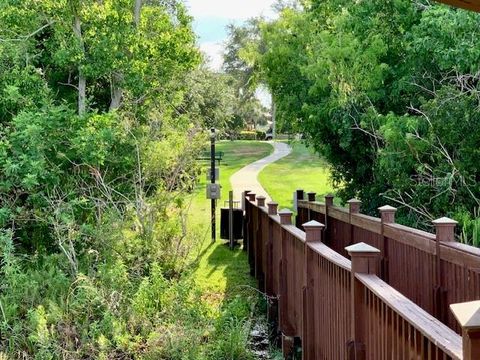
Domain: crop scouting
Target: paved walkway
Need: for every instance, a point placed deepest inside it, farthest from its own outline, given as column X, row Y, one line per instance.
column 246, row 178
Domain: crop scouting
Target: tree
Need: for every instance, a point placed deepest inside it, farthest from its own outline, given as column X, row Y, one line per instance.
column 370, row 85
column 243, row 77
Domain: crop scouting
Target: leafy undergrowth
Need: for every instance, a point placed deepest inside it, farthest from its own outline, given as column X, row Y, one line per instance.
column 222, row 275
column 128, row 300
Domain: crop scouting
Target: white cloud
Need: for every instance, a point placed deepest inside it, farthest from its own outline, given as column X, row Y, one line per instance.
column 230, row 9
column 214, row 52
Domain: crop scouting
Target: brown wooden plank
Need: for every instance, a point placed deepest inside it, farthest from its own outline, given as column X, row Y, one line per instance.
column 412, row 237
column 295, row 232
column 339, row 213
column 441, row 335
column 317, row 207
column 473, row 5
column 330, row 255
column 460, row 254
column 366, row 222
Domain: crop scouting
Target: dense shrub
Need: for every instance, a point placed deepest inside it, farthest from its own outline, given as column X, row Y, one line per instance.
column 251, row 135
column 98, row 140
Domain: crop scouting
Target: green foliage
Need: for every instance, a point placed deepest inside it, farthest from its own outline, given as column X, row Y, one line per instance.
column 470, row 226
column 250, row 135
column 248, row 110
column 387, row 93
column 100, row 126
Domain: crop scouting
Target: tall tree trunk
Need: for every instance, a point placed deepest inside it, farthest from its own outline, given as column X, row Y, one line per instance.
column 117, row 78
column 82, row 81
column 137, row 12
column 117, row 91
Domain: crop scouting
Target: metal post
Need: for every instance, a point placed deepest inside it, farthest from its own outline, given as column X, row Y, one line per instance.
column 230, row 219
column 274, row 121
column 212, row 180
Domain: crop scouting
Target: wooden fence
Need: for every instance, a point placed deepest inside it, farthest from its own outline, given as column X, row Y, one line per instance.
column 327, row 292
column 432, row 270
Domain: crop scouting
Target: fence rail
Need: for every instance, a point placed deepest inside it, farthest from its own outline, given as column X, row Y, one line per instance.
column 332, row 288
column 432, row 270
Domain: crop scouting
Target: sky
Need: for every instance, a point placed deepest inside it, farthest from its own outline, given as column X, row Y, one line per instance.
column 212, row 17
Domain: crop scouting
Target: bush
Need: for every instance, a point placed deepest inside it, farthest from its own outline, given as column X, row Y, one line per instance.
column 251, row 135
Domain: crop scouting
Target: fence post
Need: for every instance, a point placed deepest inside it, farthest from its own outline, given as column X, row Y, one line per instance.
column 246, row 220
column 244, row 196
column 364, row 261
column 311, row 196
column 353, row 208
column 299, row 195
column 313, row 233
column 328, row 203
column 258, row 246
column 387, row 215
column 445, row 232
column 251, row 235
column 272, row 309
column 285, row 217
column 272, row 208
column 329, row 199
column 261, row 201
column 286, row 327
column 468, row 316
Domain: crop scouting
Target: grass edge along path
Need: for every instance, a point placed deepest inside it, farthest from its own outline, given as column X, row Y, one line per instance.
column 220, row 273
column 302, row 169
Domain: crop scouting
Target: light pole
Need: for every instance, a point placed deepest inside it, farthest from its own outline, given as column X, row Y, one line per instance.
column 212, row 180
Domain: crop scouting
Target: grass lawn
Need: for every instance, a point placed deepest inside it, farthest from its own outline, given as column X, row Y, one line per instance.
column 302, row 169
column 220, row 272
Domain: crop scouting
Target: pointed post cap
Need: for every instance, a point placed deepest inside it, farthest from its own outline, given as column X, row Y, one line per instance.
column 313, row 224
column 261, row 200
column 362, row 248
column 445, row 229
column 387, row 208
column 272, row 208
column 467, row 314
column 313, row 231
column 444, row 221
column 354, row 205
column 364, row 258
column 387, row 214
column 285, row 216
column 354, row 201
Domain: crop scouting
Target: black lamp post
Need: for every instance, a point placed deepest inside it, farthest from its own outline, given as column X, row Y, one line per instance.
column 212, row 180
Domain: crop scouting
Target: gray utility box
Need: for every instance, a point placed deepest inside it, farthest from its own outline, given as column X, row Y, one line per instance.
column 213, row 191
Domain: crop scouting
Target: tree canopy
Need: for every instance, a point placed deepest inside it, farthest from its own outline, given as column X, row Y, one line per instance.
column 387, row 92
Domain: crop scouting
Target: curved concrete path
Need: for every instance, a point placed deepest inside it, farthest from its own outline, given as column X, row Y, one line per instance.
column 247, row 177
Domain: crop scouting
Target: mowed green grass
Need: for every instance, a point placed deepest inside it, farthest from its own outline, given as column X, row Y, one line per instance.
column 302, row 169
column 220, row 272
